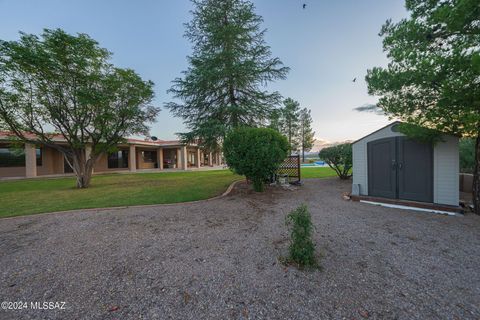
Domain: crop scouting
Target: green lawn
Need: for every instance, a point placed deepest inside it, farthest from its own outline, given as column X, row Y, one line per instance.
column 47, row 195
column 25, row 197
column 312, row 172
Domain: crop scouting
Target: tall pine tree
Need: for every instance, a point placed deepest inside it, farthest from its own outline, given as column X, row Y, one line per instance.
column 275, row 120
column 290, row 122
column 224, row 85
column 306, row 134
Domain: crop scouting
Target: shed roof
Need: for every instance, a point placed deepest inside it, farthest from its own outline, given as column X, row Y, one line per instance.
column 392, row 124
column 388, row 125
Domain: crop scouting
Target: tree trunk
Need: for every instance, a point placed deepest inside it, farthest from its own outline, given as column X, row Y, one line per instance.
column 258, row 185
column 476, row 178
column 290, row 140
column 83, row 168
column 85, row 176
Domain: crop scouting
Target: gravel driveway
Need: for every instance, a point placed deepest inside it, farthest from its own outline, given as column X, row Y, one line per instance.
column 218, row 259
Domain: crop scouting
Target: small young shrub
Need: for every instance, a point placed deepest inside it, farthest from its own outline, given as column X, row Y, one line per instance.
column 255, row 153
column 302, row 248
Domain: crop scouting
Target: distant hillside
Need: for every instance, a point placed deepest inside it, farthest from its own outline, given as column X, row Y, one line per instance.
column 319, row 144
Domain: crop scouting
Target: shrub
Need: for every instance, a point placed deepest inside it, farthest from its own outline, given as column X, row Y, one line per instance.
column 302, row 248
column 339, row 158
column 467, row 155
column 255, row 153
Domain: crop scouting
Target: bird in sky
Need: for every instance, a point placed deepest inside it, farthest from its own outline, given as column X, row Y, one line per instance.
column 304, row 5
column 354, row 79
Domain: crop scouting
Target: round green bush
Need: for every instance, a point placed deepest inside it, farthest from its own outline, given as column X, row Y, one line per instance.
column 339, row 158
column 255, row 153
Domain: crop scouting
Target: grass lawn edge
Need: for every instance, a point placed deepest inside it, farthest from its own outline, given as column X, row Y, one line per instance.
column 224, row 194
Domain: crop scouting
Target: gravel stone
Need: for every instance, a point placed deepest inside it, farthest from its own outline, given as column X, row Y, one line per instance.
column 219, row 259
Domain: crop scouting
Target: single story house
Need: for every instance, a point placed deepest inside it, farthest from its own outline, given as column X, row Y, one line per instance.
column 387, row 164
column 28, row 160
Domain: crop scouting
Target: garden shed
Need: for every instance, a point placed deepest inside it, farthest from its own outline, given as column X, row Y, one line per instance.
column 388, row 165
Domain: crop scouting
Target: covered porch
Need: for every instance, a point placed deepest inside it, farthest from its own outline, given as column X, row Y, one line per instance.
column 30, row 161
column 171, row 157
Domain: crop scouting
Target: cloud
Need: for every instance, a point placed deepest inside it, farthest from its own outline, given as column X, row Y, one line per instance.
column 370, row 108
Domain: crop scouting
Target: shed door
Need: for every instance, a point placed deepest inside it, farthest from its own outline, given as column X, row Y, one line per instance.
column 400, row 168
column 415, row 170
column 382, row 174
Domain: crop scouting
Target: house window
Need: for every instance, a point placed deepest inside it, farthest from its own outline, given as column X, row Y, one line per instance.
column 118, row 159
column 149, row 156
column 12, row 157
column 39, row 156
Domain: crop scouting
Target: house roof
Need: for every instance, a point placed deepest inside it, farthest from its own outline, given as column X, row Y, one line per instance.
column 7, row 135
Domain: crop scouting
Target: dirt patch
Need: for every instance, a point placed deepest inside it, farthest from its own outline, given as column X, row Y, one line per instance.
column 219, row 259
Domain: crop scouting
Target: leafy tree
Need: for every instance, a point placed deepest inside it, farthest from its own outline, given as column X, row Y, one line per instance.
column 306, row 136
column 421, row 134
column 432, row 79
column 467, row 155
column 339, row 158
column 229, row 68
column 290, row 122
column 255, row 153
column 65, row 83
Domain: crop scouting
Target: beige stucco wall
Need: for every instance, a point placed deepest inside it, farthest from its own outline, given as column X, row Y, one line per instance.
column 12, row 172
column 52, row 162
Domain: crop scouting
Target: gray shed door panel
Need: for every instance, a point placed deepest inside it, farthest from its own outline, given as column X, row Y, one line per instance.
column 400, row 168
column 415, row 170
column 382, row 175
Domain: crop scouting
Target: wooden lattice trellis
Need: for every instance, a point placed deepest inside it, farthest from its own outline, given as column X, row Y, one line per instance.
column 291, row 167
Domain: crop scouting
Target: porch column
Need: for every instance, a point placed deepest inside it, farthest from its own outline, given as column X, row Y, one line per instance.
column 30, row 161
column 210, row 159
column 160, row 158
column 179, row 158
column 184, row 158
column 199, row 156
column 132, row 158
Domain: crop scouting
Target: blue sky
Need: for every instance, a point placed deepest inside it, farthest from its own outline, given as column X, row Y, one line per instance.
column 326, row 46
